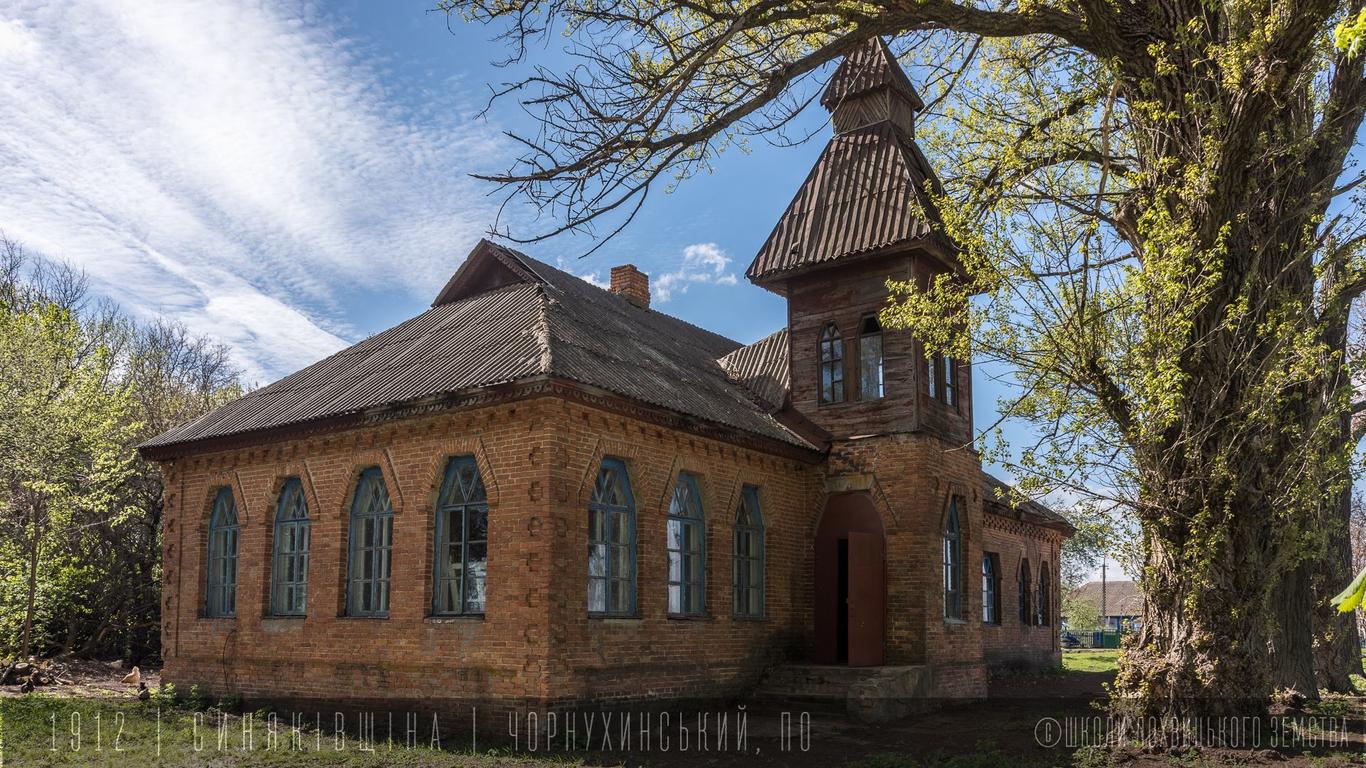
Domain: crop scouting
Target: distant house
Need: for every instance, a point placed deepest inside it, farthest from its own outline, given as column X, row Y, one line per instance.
column 1119, row 603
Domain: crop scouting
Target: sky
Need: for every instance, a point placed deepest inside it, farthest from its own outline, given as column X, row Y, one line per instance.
column 291, row 177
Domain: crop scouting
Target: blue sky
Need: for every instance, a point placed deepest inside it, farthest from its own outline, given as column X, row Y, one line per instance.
column 292, row 177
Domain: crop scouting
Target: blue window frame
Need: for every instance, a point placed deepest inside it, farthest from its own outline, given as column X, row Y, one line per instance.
column 289, row 574
column 687, row 536
column 832, row 365
column 221, row 597
column 612, row 543
column 372, row 533
column 747, row 556
column 991, row 590
column 953, row 564
column 462, row 546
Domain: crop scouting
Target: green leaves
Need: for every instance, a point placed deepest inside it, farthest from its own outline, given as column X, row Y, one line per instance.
column 1350, row 35
column 1351, row 598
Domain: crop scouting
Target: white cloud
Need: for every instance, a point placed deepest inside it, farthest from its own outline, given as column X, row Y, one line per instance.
column 595, row 277
column 232, row 165
column 702, row 263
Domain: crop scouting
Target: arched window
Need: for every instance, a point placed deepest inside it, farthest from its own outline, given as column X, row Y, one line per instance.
column 289, row 570
column 223, row 535
column 372, row 535
column 461, row 540
column 870, row 359
column 612, row 542
column 953, row 564
column 1041, row 603
column 1025, row 614
column 991, row 590
column 832, row 365
column 747, row 568
column 687, row 549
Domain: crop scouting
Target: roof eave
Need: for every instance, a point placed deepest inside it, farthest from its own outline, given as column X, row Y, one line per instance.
column 520, row 389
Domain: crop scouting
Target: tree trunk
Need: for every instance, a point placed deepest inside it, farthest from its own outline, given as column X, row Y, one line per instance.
column 1202, row 649
column 32, row 589
column 1336, row 643
column 1292, row 645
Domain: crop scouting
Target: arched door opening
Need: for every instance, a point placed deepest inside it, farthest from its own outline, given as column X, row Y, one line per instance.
column 850, row 589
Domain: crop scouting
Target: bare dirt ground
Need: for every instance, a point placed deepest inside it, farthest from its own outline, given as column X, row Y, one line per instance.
column 88, row 678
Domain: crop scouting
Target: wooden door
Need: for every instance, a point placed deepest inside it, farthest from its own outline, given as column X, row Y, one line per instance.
column 865, row 599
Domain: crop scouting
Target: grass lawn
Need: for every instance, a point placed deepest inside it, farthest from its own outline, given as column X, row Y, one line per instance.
column 1090, row 661
column 49, row 731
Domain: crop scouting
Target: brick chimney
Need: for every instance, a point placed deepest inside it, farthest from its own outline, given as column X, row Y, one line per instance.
column 631, row 284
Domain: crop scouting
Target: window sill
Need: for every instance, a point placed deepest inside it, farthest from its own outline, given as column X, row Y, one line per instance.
column 454, row 618
column 283, row 617
column 376, row 617
column 953, row 621
column 624, row 617
column 743, row 617
column 687, row 617
column 206, row 617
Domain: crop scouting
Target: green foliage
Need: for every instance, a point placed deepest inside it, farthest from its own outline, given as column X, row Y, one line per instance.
column 79, row 510
column 1350, row 34
column 1081, row 614
column 1351, row 598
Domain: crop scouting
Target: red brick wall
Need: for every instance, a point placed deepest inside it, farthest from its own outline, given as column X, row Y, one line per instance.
column 845, row 296
column 536, row 643
column 1013, row 644
column 326, row 656
column 604, row 659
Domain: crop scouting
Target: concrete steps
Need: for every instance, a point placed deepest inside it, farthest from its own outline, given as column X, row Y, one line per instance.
column 867, row 694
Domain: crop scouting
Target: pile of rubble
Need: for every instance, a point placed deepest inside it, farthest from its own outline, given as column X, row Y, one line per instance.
column 32, row 673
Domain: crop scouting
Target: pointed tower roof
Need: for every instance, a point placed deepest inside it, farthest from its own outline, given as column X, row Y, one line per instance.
column 870, row 190
column 866, row 68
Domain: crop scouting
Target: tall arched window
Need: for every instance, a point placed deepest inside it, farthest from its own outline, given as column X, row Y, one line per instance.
column 991, row 590
column 222, row 576
column 1026, row 615
column 612, row 542
column 372, row 534
column 461, row 540
column 747, row 556
column 953, row 564
column 832, row 365
column 870, row 359
column 687, row 549
column 1041, row 617
column 289, row 569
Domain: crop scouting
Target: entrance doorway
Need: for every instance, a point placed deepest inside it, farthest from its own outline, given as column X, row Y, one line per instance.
column 850, row 584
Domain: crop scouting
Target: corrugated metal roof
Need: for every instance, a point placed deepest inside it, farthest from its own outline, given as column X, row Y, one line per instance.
column 863, row 194
column 556, row 324
column 869, row 66
column 762, row 368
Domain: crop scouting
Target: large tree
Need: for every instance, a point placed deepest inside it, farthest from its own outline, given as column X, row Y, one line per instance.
column 80, row 512
column 1156, row 233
